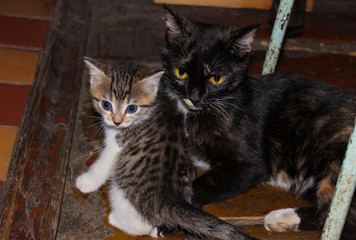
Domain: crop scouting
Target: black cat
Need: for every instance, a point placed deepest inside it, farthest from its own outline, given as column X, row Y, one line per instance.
column 286, row 131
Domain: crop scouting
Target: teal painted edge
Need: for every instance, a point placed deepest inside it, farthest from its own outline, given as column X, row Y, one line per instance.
column 345, row 188
column 278, row 32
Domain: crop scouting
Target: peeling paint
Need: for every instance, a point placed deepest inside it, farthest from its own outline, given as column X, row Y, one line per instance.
column 278, row 32
column 344, row 191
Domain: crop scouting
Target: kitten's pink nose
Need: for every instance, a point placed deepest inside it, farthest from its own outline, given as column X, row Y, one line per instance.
column 117, row 119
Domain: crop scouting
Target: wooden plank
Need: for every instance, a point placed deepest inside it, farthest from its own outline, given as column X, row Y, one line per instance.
column 137, row 32
column 309, row 6
column 257, row 4
column 32, row 194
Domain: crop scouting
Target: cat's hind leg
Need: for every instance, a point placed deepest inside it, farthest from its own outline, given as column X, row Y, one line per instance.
column 292, row 219
column 282, row 220
column 132, row 225
column 125, row 217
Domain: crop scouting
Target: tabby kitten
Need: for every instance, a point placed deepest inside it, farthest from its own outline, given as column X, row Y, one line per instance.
column 286, row 131
column 144, row 157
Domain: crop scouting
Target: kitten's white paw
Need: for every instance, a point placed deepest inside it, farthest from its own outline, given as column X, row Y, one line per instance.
column 87, row 183
column 282, row 220
column 154, row 233
column 132, row 225
column 113, row 221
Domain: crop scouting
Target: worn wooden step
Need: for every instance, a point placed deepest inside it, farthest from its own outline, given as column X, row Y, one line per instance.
column 46, row 160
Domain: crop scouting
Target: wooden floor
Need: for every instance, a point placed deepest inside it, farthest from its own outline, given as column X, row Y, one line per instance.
column 55, row 142
column 23, row 30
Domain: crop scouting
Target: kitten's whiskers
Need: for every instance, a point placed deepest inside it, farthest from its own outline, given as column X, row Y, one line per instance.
column 97, row 126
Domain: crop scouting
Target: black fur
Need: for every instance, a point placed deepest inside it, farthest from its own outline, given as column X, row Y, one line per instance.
column 282, row 130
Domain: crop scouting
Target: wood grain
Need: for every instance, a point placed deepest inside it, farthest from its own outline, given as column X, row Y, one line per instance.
column 31, row 196
column 257, row 4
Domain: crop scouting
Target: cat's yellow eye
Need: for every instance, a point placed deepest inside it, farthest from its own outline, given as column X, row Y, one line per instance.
column 180, row 73
column 217, row 79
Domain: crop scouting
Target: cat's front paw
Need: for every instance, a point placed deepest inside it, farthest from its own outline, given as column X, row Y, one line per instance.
column 282, row 220
column 87, row 183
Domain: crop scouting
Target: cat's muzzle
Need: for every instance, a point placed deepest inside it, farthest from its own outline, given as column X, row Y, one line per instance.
column 191, row 105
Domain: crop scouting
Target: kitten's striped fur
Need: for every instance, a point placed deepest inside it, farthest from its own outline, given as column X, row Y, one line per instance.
column 145, row 156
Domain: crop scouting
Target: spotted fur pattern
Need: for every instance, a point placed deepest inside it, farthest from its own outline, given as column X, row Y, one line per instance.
column 145, row 157
column 286, row 131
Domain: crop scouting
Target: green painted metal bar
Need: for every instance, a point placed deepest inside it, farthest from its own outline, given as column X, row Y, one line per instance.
column 347, row 178
column 278, row 32
column 345, row 188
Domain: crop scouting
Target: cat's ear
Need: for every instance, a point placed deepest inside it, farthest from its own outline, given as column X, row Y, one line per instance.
column 241, row 42
column 151, row 83
column 96, row 73
column 175, row 24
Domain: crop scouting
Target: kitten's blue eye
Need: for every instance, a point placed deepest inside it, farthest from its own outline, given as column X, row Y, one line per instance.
column 131, row 109
column 106, row 105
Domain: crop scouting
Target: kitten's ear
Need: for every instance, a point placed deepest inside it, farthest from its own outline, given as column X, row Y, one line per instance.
column 175, row 24
column 96, row 73
column 241, row 43
column 151, row 83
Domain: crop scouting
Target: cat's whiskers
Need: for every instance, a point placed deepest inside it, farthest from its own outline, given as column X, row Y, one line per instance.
column 224, row 101
column 195, row 113
column 216, row 56
column 171, row 89
column 102, row 131
column 218, row 108
column 97, row 126
column 93, row 117
column 134, row 130
column 183, row 51
column 99, row 130
column 167, row 79
column 216, row 65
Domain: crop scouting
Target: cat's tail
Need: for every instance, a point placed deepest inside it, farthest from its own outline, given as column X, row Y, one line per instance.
column 195, row 222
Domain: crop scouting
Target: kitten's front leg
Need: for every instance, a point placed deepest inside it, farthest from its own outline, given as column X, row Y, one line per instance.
column 101, row 170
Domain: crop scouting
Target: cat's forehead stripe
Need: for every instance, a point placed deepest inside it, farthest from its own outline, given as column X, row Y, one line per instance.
column 120, row 84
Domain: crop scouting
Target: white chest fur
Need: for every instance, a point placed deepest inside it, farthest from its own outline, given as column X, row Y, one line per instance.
column 124, row 215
